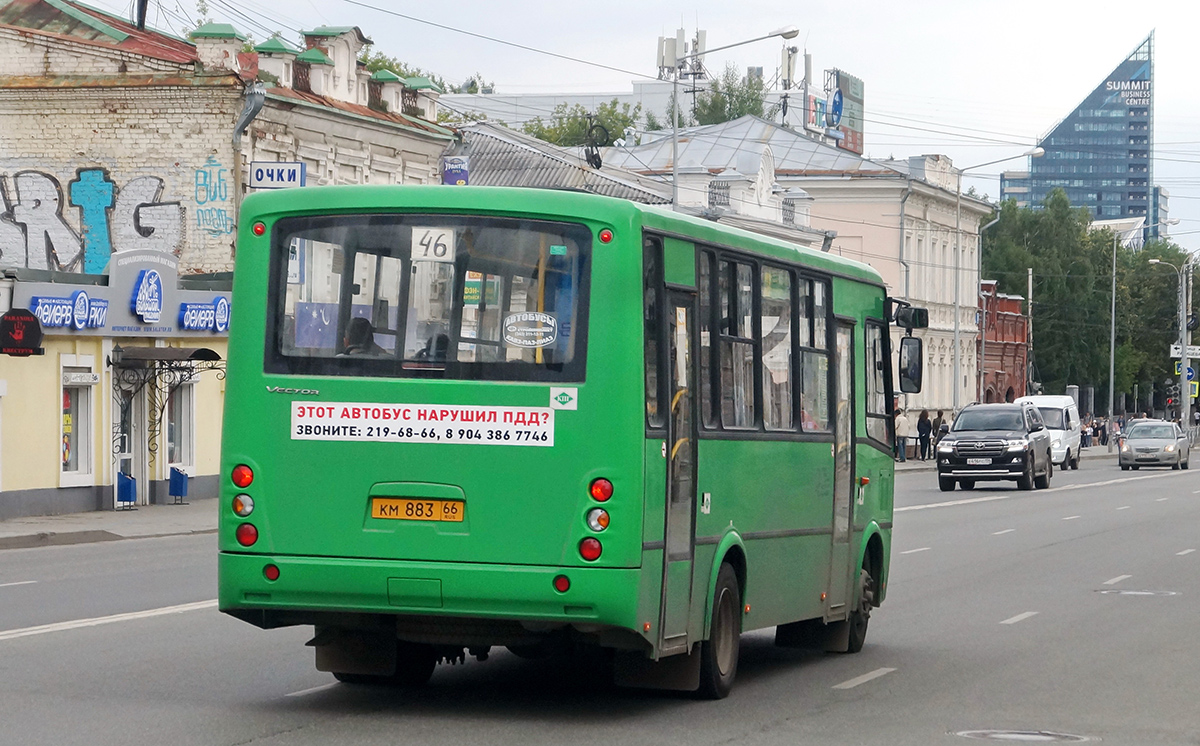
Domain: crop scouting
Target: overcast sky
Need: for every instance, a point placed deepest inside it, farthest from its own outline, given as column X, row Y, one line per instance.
column 973, row 72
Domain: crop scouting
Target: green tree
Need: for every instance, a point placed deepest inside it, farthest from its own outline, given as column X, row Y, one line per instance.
column 730, row 97
column 568, row 126
column 1072, row 290
column 376, row 61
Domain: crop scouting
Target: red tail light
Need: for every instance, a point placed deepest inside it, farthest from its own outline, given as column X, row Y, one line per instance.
column 590, row 549
column 242, row 476
column 271, row 572
column 562, row 584
column 247, row 534
column 259, row 229
column 601, row 489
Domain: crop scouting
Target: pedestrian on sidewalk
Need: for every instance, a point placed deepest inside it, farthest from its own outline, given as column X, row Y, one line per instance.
column 924, row 429
column 903, row 430
column 937, row 427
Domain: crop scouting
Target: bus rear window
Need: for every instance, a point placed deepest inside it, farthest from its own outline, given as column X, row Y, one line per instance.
column 429, row 295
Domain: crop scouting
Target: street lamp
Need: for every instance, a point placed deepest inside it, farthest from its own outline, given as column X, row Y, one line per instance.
column 1112, row 332
column 1035, row 153
column 786, row 32
column 1184, row 392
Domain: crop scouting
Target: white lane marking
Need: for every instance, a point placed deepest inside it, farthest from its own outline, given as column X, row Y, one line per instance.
column 1005, row 531
column 1196, row 492
column 1039, row 493
column 914, row 551
column 1118, row 579
column 1162, row 499
column 97, row 621
column 313, row 690
column 1123, row 507
column 19, row 582
column 864, row 678
column 1019, row 617
column 1186, row 551
column 1070, row 518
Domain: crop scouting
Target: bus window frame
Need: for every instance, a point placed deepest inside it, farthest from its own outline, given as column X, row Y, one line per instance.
column 887, row 415
column 652, row 248
column 275, row 362
column 797, row 273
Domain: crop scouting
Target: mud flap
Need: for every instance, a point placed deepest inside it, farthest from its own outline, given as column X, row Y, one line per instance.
column 680, row 673
column 814, row 634
column 355, row 651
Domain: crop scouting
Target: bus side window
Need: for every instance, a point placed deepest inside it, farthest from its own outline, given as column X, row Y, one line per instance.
column 652, row 322
column 814, row 362
column 776, row 346
column 737, row 346
column 877, row 418
column 708, row 415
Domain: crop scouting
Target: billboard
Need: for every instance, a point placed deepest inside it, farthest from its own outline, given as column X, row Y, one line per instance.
column 851, row 125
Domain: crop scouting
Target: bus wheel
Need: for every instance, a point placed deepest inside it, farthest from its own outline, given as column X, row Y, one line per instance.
column 719, row 653
column 862, row 612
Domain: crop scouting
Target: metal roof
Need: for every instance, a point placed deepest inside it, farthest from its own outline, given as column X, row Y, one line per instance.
column 87, row 25
column 718, row 147
column 505, row 157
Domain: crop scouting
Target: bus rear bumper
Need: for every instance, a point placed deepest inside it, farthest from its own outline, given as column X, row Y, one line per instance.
column 313, row 590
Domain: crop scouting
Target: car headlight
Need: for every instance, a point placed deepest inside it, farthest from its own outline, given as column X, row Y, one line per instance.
column 945, row 448
column 1017, row 444
column 1170, row 448
column 1124, row 448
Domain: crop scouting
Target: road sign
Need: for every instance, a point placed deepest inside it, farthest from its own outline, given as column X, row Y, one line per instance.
column 1195, row 387
column 1193, row 351
column 1191, row 370
column 277, row 175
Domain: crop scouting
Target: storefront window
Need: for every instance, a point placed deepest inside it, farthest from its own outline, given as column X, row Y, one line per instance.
column 179, row 426
column 70, row 432
column 75, row 426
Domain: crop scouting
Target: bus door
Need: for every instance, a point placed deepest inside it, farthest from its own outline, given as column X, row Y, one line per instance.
column 680, row 318
column 841, row 571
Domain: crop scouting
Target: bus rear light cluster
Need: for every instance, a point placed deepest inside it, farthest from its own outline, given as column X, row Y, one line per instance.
column 597, row 519
column 259, row 229
column 246, row 534
column 562, row 583
column 271, row 572
column 242, row 476
column 601, row 489
column 590, row 549
column 243, row 505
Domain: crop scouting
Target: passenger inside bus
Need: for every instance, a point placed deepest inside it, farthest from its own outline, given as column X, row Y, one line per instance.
column 360, row 338
column 435, row 348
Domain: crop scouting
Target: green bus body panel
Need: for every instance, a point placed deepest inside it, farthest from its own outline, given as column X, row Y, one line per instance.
column 679, row 262
column 524, row 505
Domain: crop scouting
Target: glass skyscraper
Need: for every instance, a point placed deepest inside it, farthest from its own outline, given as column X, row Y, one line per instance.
column 1101, row 154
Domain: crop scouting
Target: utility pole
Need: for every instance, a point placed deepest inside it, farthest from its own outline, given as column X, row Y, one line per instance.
column 1029, row 332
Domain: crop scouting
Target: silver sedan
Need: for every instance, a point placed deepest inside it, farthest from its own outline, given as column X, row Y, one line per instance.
column 1154, row 443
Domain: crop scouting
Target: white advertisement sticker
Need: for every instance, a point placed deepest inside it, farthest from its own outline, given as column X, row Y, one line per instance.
column 423, row 423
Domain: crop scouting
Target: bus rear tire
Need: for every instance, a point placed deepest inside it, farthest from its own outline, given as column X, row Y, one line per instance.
column 861, row 616
column 719, row 653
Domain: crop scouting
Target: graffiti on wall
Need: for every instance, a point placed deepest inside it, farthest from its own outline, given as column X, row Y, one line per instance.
column 35, row 233
column 213, row 215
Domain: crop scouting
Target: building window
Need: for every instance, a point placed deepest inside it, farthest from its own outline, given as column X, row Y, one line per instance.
column 180, row 427
column 75, row 427
column 718, row 194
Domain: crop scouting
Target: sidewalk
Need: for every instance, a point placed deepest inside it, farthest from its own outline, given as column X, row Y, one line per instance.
column 1088, row 454
column 198, row 517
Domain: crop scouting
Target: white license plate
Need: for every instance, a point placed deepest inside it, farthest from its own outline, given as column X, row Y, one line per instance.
column 979, row 462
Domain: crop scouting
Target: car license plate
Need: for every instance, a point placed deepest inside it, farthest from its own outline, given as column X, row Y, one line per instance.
column 416, row 509
column 979, row 461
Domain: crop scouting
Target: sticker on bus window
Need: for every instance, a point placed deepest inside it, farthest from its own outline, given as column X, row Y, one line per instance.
column 530, row 330
column 432, row 244
column 438, row 424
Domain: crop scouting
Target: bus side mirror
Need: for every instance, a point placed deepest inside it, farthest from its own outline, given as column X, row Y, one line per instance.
column 911, row 361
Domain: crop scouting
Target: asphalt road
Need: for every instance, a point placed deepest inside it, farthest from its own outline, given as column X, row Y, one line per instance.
column 1002, row 613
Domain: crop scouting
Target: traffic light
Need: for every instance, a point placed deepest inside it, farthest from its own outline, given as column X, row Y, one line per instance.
column 1170, row 402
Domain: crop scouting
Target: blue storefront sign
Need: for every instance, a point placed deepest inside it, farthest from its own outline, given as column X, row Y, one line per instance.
column 147, row 301
column 205, row 317
column 277, row 175
column 455, row 169
column 77, row 311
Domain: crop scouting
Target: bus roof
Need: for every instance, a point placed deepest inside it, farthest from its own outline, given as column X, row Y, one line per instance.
column 518, row 201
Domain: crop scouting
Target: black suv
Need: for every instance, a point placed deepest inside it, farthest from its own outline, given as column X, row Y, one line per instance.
column 995, row 441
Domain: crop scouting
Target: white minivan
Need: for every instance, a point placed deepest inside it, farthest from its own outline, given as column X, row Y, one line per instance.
column 1061, row 416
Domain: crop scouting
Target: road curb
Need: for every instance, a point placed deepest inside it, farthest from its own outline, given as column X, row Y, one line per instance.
column 67, row 538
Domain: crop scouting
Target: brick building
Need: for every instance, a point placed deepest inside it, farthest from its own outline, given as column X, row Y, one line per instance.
column 1004, row 348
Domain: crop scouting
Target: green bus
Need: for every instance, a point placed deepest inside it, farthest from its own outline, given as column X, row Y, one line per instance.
column 459, row 418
